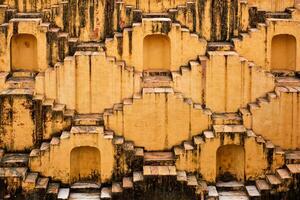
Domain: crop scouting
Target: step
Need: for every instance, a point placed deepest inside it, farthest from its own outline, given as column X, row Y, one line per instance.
column 229, row 129
column 30, row 180
column 159, row 158
column 233, row 195
column 230, row 186
column 29, row 15
column 219, row 46
column 84, row 196
column 212, row 193
column 42, row 183
column 156, row 81
column 14, row 160
column 13, row 172
column 86, row 130
column 273, row 180
column 252, row 191
column 117, row 188
column 188, row 146
column 63, row 193
column 23, row 74
column 45, row 146
column 292, row 157
column 139, row 152
column 283, row 174
column 85, row 186
column 53, row 189
column 89, row 46
column 88, row 120
column 278, row 15
column 157, row 90
column 105, row 193
column 17, row 91
column 227, row 119
column 20, row 83
column 159, row 170
column 192, row 180
column 181, row 176
column 262, row 185
column 208, row 135
column 293, row 168
column 59, row 107
column 127, row 182
column 138, row 177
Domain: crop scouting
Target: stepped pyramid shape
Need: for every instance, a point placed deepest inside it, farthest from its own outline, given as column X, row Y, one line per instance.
column 150, row 99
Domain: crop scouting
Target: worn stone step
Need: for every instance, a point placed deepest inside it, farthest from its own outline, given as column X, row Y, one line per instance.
column 208, row 135
column 229, row 186
column 17, row 91
column 233, row 195
column 159, row 158
column 252, row 191
column 65, row 135
column 229, row 129
column 23, row 74
column 138, row 177
column 181, row 176
column 262, row 185
column 63, row 193
column 159, row 170
column 118, row 140
column 30, row 181
column 127, row 182
column 85, row 187
column 88, row 120
column 198, row 140
column 86, row 130
column 292, row 157
column 283, row 174
column 278, row 15
column 52, row 190
column 35, row 153
column 45, row 146
column 212, row 193
column 84, row 196
column 139, row 152
column 90, row 46
column 20, row 83
column 106, row 193
column 192, row 180
column 178, row 150
column 29, row 15
column 219, row 46
column 188, row 145
column 226, row 119
column 273, row 180
column 117, row 188
column 42, row 183
column 13, row 172
column 59, row 107
column 14, row 160
column 293, row 168
column 49, row 102
column 55, row 141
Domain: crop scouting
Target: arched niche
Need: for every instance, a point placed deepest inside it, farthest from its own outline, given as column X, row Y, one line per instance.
column 85, row 164
column 283, row 52
column 230, row 163
column 24, row 53
column 156, row 52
